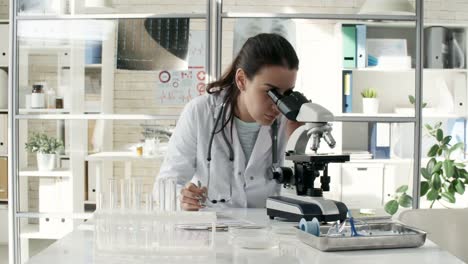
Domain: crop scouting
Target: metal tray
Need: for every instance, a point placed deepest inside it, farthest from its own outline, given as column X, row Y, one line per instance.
column 384, row 236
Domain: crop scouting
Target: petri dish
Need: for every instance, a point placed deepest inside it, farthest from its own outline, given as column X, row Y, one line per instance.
column 253, row 237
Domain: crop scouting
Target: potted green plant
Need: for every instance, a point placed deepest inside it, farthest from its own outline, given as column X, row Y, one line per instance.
column 45, row 148
column 370, row 103
column 443, row 176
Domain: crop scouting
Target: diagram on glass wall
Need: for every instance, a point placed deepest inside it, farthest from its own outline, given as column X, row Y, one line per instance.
column 177, row 87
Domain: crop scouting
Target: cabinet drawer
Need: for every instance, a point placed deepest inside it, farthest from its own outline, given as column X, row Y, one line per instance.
column 362, row 185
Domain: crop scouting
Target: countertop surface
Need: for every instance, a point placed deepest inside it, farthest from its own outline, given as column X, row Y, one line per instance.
column 79, row 247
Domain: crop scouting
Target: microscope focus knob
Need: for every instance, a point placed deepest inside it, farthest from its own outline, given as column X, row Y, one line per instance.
column 283, row 175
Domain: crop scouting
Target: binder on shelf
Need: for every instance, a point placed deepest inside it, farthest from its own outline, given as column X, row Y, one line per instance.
column 379, row 140
column 347, row 92
column 93, row 52
column 361, row 36
column 349, row 46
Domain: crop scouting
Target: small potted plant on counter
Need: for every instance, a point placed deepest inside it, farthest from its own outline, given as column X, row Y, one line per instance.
column 370, row 103
column 45, row 148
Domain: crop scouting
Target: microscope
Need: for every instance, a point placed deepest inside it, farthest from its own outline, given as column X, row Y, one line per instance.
column 300, row 196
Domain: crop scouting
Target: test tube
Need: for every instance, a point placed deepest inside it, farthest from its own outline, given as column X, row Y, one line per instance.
column 171, row 194
column 125, row 194
column 161, row 187
column 137, row 191
column 113, row 193
column 100, row 201
column 148, row 202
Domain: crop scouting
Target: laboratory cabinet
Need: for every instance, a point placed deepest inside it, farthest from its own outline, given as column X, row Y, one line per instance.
column 362, row 185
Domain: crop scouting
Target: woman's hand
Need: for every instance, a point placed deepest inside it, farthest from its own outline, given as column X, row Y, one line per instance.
column 291, row 126
column 192, row 198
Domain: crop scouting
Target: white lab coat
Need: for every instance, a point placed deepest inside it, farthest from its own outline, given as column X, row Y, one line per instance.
column 186, row 158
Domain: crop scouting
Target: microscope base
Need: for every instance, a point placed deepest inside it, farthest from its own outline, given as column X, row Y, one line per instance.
column 293, row 210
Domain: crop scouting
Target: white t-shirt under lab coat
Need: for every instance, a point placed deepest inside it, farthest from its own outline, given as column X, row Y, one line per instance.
column 186, row 157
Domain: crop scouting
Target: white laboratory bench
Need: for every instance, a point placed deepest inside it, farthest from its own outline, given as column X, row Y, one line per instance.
column 78, row 247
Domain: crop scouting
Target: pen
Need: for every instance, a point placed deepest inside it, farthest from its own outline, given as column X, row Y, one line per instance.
column 199, row 185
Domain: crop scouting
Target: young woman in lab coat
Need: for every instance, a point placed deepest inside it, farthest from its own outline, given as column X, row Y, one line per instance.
column 239, row 173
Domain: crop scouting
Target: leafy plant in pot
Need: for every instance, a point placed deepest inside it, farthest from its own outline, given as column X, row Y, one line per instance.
column 370, row 103
column 45, row 148
column 443, row 176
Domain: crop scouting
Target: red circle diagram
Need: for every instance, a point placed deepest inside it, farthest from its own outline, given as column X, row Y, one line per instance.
column 164, row 76
column 201, row 88
column 201, row 75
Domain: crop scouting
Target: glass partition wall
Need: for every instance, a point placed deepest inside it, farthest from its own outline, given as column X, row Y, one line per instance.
column 94, row 84
column 101, row 79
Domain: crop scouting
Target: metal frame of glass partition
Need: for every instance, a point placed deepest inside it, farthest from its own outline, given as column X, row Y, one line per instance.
column 418, row 18
column 214, row 16
column 14, row 214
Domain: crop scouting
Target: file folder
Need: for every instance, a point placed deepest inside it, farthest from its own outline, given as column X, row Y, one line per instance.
column 361, row 35
column 347, row 92
column 349, row 46
column 379, row 140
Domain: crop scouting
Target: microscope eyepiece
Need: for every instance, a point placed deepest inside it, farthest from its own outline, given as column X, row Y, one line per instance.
column 274, row 95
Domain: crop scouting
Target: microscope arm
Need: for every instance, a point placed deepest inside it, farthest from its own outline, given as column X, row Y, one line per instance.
column 316, row 119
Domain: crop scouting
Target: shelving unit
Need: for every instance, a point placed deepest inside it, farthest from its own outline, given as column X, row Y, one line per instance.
column 24, row 111
column 31, row 172
column 426, row 70
column 32, row 231
column 120, row 156
column 389, row 83
column 358, row 117
column 93, row 66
